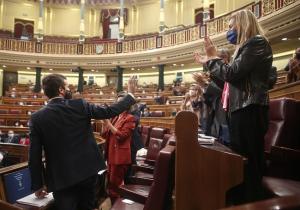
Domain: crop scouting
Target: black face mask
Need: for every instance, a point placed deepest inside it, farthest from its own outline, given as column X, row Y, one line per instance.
column 68, row 94
column 298, row 56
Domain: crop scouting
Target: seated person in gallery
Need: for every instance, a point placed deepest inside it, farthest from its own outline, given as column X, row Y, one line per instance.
column 11, row 138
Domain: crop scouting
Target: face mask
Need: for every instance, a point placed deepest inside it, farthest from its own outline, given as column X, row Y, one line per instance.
column 68, row 94
column 10, row 135
column 232, row 36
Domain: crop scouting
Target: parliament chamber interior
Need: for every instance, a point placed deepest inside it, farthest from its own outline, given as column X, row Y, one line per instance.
column 198, row 89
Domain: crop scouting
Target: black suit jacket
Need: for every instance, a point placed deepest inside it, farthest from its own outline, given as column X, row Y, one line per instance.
column 14, row 140
column 63, row 129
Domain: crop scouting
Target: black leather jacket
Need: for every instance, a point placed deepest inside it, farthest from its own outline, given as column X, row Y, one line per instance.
column 247, row 75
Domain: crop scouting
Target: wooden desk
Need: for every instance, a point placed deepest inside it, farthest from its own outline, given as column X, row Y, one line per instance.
column 8, row 100
column 202, row 174
column 291, row 90
column 16, row 151
column 28, row 207
column 162, row 122
column 23, row 108
column 19, row 130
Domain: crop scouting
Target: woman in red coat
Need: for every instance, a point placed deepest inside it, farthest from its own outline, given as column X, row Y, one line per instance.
column 118, row 135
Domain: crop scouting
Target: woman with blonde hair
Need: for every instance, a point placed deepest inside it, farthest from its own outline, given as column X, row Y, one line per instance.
column 247, row 101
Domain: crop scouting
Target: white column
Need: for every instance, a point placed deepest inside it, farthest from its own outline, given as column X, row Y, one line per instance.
column 1, row 81
column 1, row 13
column 81, row 26
column 162, row 16
column 121, row 24
column 40, row 22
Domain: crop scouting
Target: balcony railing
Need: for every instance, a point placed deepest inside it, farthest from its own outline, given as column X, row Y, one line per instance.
column 212, row 27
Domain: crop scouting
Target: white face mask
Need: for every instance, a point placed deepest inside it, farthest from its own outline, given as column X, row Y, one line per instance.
column 10, row 135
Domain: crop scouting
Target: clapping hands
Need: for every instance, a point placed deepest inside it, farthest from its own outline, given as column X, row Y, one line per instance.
column 210, row 49
column 132, row 84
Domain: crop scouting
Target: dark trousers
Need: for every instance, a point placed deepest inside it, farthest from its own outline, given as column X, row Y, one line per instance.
column 248, row 127
column 77, row 197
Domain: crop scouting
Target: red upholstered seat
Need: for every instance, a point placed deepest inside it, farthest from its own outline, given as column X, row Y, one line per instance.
column 119, row 205
column 166, row 139
column 157, row 114
column 2, row 122
column 146, row 135
column 281, row 187
column 283, row 125
column 158, row 195
column 158, row 133
column 283, row 172
column 12, row 111
column 282, row 203
column 3, row 111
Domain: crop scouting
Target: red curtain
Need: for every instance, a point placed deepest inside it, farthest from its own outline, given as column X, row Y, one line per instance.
column 105, row 19
column 199, row 16
column 211, row 11
column 23, row 28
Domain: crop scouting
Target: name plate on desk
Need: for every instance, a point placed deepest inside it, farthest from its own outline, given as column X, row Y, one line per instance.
column 17, row 185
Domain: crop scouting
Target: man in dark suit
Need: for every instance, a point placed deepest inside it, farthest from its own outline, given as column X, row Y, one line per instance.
column 11, row 138
column 63, row 130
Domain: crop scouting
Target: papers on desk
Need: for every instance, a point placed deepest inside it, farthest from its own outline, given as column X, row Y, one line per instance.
column 206, row 140
column 141, row 153
column 127, row 201
column 32, row 200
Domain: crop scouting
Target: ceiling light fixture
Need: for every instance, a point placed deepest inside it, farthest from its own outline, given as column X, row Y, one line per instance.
column 284, row 39
column 182, row 64
column 174, row 64
column 4, row 66
column 153, row 67
column 92, row 70
column 132, row 69
column 50, row 69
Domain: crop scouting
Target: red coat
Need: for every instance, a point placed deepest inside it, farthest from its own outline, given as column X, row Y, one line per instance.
column 118, row 149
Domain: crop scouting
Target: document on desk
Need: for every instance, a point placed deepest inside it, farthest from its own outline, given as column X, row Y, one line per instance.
column 32, row 200
column 206, row 140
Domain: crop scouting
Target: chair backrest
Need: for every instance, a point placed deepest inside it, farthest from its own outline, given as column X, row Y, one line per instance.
column 140, row 128
column 15, row 111
column 154, row 147
column 283, row 123
column 7, row 206
column 157, row 114
column 165, row 139
column 158, row 133
column 172, row 141
column 160, row 194
column 146, row 135
column 3, row 111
